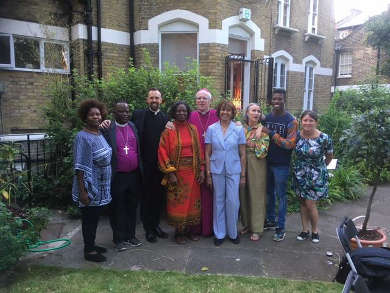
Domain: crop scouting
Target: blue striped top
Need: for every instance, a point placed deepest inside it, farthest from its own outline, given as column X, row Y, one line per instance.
column 92, row 155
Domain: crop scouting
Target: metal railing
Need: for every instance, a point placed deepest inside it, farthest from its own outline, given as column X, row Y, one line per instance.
column 32, row 155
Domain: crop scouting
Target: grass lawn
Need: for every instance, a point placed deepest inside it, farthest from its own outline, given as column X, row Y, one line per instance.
column 53, row 279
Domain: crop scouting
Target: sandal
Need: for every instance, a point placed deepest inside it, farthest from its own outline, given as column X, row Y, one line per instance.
column 255, row 237
column 244, row 231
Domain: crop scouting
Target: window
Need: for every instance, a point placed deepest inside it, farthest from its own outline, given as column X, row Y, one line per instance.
column 5, row 50
column 33, row 54
column 345, row 64
column 313, row 17
column 284, row 13
column 27, row 53
column 178, row 49
column 280, row 74
column 308, row 97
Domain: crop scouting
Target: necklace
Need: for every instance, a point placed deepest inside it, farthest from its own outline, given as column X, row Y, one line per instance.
column 310, row 135
column 125, row 148
column 201, row 124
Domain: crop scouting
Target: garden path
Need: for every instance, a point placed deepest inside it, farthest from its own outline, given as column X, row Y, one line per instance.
column 290, row 258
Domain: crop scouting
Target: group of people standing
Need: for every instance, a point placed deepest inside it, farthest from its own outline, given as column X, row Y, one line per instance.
column 208, row 169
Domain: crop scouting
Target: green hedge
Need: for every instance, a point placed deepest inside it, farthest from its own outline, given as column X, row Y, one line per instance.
column 16, row 234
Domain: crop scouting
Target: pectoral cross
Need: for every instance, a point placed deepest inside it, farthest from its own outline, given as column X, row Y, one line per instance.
column 204, row 134
column 126, row 149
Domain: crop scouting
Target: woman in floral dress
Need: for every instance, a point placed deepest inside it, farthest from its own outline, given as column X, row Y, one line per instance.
column 314, row 151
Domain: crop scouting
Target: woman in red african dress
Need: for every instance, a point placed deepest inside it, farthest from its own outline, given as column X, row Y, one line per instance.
column 180, row 157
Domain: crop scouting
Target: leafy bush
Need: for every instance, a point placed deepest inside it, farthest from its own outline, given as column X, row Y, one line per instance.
column 346, row 183
column 18, row 230
column 12, row 243
column 334, row 122
column 362, row 100
column 368, row 142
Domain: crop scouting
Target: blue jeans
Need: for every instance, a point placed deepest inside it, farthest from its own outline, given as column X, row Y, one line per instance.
column 277, row 177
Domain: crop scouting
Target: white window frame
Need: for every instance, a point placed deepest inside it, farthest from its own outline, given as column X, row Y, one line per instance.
column 176, row 32
column 308, row 97
column 279, row 73
column 42, row 68
column 312, row 27
column 281, row 5
column 345, row 64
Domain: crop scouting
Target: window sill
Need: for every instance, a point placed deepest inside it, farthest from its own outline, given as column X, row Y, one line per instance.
column 314, row 37
column 59, row 71
column 344, row 76
column 285, row 29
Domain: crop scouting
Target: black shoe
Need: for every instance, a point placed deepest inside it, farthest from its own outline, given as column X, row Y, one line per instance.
column 303, row 236
column 133, row 242
column 151, row 237
column 235, row 240
column 218, row 242
column 100, row 249
column 315, row 238
column 160, row 233
column 121, row 246
column 94, row 256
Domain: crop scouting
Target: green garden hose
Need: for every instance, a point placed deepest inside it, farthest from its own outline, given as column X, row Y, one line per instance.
column 35, row 247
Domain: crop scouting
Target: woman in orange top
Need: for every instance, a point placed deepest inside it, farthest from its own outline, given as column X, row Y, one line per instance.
column 180, row 157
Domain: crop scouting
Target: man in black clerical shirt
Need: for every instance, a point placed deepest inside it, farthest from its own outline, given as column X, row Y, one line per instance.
column 150, row 123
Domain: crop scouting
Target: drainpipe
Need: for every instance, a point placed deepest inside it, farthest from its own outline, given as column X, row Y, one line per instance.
column 99, row 38
column 270, row 79
column 336, row 67
column 131, row 31
column 71, row 64
column 88, row 20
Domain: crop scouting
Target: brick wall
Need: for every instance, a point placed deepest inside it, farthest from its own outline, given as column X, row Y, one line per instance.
column 23, row 100
column 298, row 48
column 40, row 11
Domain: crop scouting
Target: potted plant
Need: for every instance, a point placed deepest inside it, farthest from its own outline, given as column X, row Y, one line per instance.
column 368, row 145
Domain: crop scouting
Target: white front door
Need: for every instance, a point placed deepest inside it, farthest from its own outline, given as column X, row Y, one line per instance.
column 309, row 87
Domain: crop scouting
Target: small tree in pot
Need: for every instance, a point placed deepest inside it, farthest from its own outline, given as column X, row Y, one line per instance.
column 368, row 140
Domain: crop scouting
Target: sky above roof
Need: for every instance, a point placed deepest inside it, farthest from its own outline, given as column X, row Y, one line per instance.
column 370, row 7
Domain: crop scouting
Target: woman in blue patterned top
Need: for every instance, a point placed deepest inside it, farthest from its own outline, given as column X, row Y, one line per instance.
column 314, row 151
column 92, row 179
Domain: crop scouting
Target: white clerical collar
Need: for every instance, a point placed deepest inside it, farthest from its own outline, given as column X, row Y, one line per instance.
column 120, row 125
column 204, row 113
column 154, row 112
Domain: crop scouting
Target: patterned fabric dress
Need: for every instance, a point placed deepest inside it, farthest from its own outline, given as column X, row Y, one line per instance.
column 310, row 176
column 180, row 152
column 92, row 155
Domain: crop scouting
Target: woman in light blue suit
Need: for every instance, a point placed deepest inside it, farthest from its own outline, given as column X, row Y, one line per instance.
column 225, row 166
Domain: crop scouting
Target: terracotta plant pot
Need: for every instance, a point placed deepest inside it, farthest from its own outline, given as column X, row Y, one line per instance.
column 370, row 243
